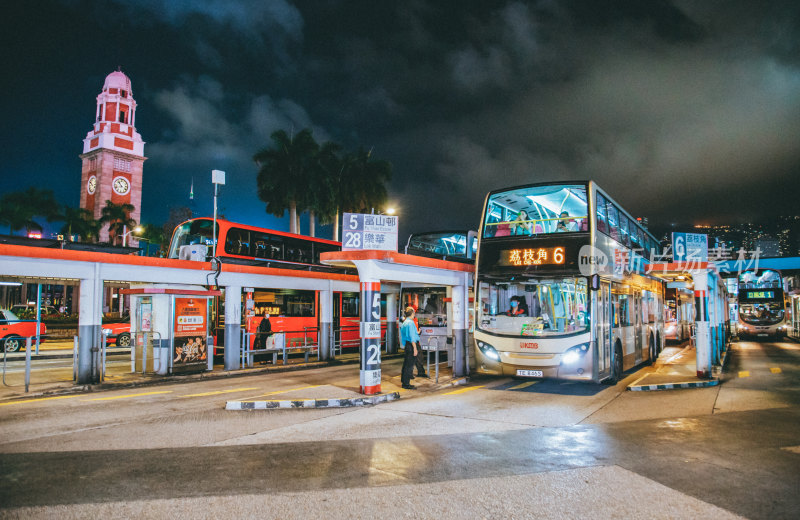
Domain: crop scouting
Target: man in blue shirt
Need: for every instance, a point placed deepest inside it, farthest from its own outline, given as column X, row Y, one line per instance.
column 409, row 338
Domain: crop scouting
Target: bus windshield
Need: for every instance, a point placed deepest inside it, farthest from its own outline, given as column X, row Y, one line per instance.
column 534, row 307
column 190, row 233
column 537, row 210
column 761, row 298
column 443, row 244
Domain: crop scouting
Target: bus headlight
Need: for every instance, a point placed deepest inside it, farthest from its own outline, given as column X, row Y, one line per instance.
column 574, row 354
column 488, row 350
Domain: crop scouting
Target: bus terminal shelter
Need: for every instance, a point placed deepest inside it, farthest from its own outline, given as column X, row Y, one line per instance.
column 377, row 269
column 710, row 307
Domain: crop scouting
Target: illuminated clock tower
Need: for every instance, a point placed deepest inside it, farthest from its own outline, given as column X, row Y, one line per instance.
column 113, row 154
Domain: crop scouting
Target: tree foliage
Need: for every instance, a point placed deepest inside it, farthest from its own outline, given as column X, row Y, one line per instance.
column 298, row 174
column 18, row 209
column 117, row 216
column 80, row 222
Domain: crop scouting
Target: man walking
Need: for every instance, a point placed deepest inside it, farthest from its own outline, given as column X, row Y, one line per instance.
column 409, row 338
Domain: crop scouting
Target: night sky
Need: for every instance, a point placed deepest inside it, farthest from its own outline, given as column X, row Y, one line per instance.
column 684, row 111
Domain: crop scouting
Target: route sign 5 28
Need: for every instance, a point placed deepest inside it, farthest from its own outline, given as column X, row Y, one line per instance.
column 360, row 231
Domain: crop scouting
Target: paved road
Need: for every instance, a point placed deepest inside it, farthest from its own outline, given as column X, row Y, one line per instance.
column 496, row 448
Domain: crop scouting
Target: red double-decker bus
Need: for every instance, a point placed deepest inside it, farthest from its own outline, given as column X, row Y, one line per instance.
column 293, row 312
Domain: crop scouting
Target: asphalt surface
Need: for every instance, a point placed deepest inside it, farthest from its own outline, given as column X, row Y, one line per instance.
column 495, row 448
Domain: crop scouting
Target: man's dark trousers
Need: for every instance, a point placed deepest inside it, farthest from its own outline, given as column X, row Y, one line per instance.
column 420, row 362
column 408, row 364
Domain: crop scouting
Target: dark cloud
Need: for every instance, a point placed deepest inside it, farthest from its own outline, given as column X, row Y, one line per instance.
column 682, row 110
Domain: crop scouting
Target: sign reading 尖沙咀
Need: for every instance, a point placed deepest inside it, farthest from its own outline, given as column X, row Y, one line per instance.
column 689, row 247
column 361, row 231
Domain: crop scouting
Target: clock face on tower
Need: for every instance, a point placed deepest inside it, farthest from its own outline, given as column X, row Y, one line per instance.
column 91, row 186
column 121, row 185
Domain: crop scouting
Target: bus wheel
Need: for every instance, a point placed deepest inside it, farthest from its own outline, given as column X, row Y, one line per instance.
column 653, row 350
column 616, row 366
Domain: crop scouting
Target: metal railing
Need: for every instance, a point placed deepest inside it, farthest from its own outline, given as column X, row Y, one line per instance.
column 28, row 343
column 427, row 349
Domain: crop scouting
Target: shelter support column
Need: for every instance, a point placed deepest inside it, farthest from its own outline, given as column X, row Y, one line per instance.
column 703, row 332
column 391, row 323
column 459, row 304
column 233, row 321
column 370, row 332
column 325, row 321
column 89, row 327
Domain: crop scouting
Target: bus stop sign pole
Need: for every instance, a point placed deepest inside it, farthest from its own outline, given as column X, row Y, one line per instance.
column 370, row 374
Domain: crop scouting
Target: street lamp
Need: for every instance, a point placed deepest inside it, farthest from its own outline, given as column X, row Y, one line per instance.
column 125, row 233
column 217, row 178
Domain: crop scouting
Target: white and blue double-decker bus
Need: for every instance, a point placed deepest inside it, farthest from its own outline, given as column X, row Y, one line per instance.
column 561, row 285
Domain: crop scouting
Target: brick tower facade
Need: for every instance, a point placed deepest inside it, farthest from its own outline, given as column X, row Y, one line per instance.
column 113, row 154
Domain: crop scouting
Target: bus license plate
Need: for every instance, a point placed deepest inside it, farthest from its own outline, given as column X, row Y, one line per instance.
column 530, row 373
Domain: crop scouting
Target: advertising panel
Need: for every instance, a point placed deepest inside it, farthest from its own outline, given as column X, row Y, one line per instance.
column 190, row 332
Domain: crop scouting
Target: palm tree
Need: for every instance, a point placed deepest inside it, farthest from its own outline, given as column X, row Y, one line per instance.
column 323, row 188
column 18, row 209
column 79, row 221
column 117, row 216
column 285, row 170
column 362, row 184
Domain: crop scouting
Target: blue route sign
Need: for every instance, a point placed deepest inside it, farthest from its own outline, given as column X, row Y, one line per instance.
column 689, row 247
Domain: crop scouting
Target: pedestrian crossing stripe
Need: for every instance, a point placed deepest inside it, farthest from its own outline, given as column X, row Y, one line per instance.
column 463, row 390
column 217, row 392
column 130, row 395
column 523, row 385
column 37, row 400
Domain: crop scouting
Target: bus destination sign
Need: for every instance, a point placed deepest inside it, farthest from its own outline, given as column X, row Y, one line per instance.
column 532, row 256
column 760, row 295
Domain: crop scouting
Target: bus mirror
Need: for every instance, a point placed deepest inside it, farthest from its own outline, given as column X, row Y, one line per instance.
column 594, row 282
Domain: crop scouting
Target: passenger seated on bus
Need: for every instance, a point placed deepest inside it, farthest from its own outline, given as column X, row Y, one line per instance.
column 518, row 306
column 522, row 224
column 565, row 224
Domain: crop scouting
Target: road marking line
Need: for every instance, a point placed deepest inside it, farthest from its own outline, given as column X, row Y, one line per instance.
column 130, row 395
column 37, row 400
column 278, row 392
column 744, row 373
column 221, row 392
column 462, row 390
column 523, row 385
column 775, row 370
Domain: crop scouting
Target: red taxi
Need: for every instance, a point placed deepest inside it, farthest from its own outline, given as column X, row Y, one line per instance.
column 13, row 331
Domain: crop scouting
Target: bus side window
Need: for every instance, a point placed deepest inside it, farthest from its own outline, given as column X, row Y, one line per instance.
column 237, row 242
column 613, row 221
column 602, row 214
column 623, row 230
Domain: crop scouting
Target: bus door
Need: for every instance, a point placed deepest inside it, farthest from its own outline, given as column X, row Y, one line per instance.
column 637, row 325
column 337, row 319
column 602, row 314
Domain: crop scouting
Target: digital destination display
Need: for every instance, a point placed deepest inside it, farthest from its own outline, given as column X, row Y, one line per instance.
column 760, row 295
column 532, row 256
